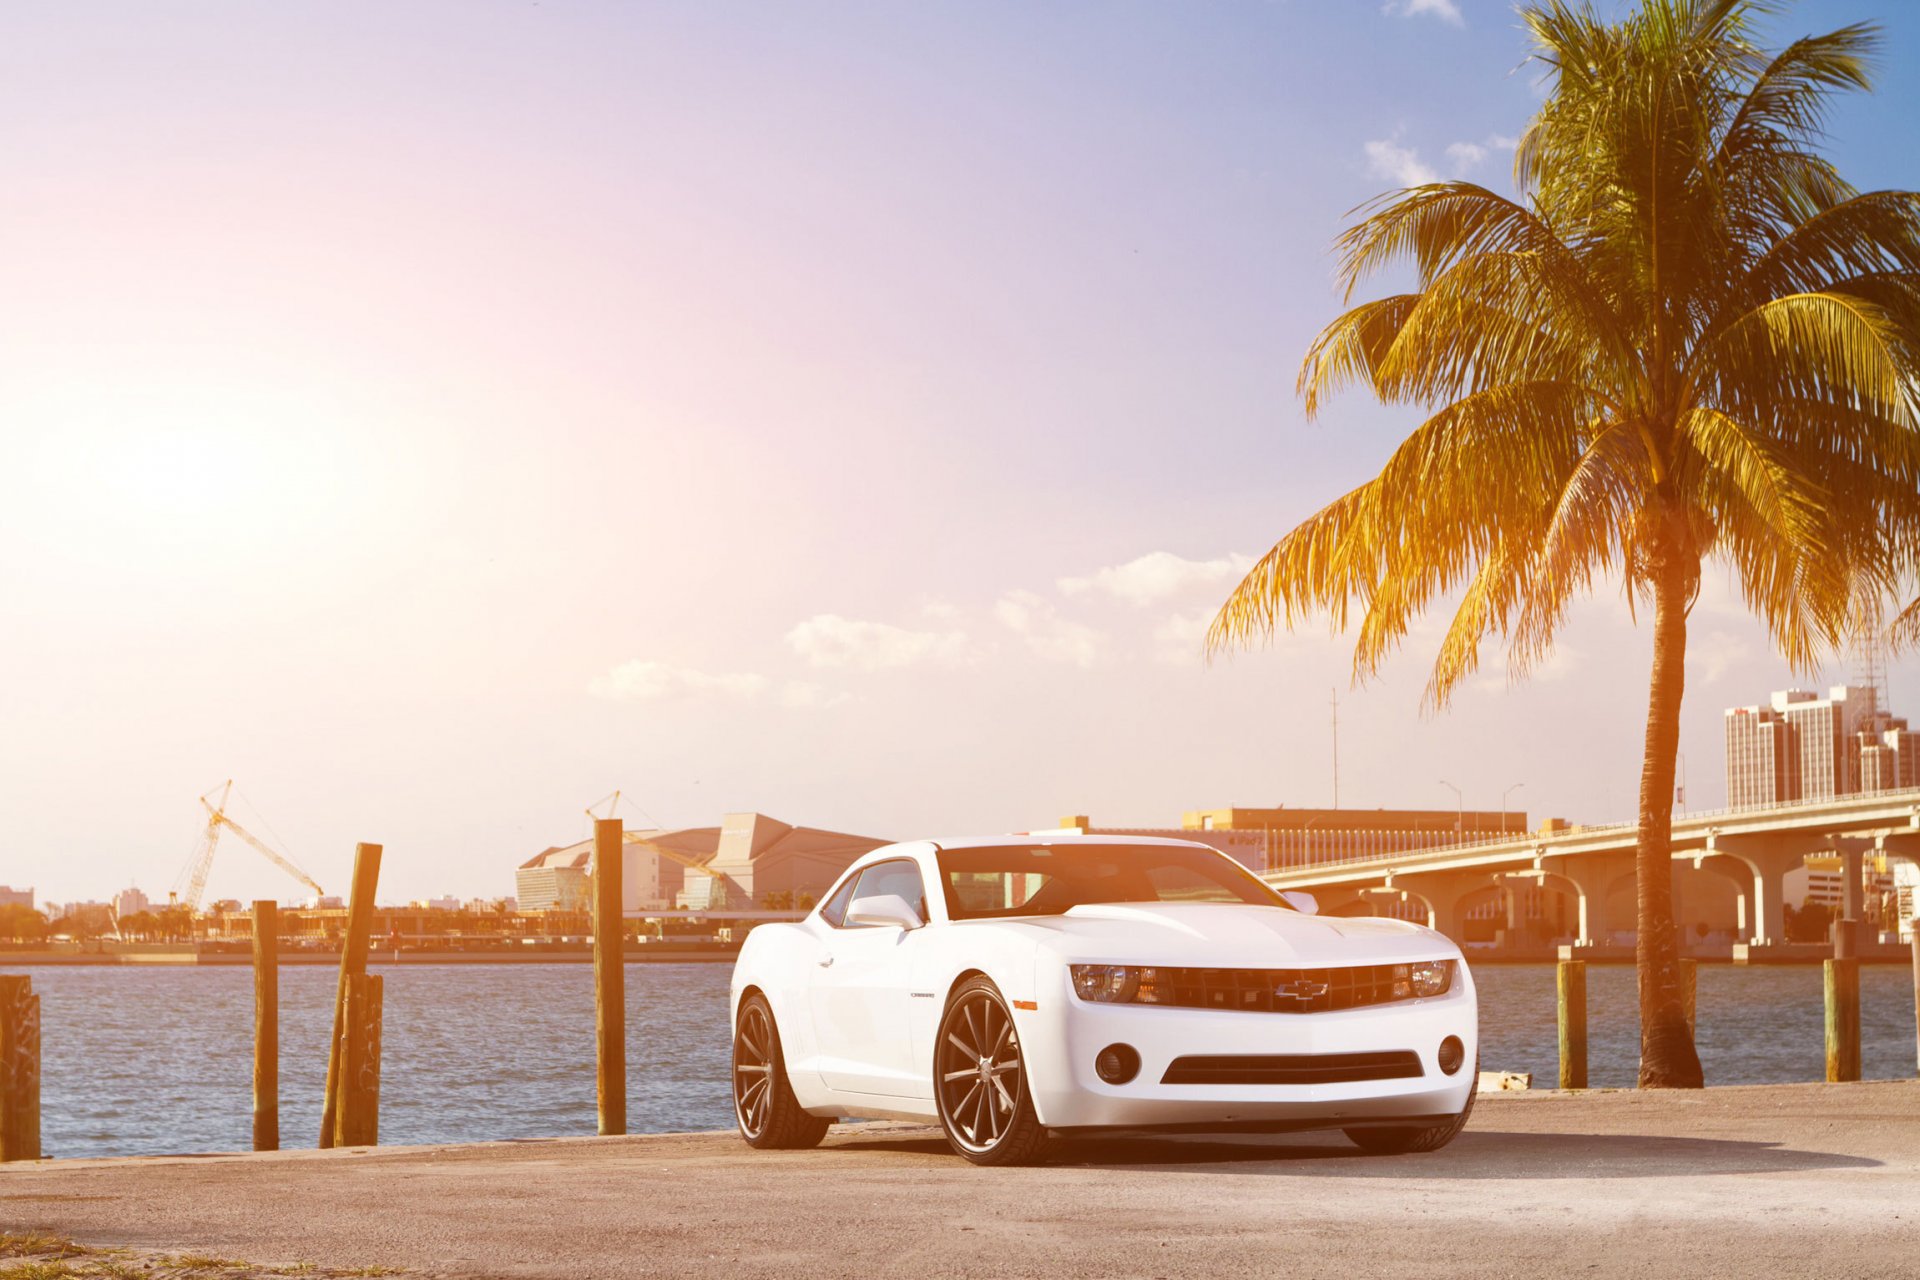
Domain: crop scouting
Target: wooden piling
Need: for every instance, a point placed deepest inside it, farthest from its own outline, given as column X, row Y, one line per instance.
column 1573, row 1024
column 266, row 1026
column 353, row 963
column 609, row 975
column 1916, row 992
column 1689, row 992
column 1843, row 1020
column 358, row 1124
column 19, row 1069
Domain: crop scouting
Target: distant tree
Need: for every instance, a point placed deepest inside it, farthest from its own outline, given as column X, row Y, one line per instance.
column 174, row 923
column 804, row 903
column 20, row 923
column 84, row 922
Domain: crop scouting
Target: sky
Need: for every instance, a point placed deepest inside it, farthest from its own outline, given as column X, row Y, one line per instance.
column 437, row 416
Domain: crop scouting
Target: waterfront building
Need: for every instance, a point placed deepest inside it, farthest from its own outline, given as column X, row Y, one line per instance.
column 11, row 897
column 1248, row 848
column 1299, row 837
column 759, row 859
column 652, row 866
column 1801, row 746
column 1763, row 767
column 555, row 879
column 130, row 902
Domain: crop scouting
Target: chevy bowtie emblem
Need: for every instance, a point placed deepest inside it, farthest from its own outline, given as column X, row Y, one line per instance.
column 1301, row 989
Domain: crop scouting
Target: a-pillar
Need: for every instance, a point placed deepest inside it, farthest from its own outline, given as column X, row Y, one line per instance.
column 1768, row 859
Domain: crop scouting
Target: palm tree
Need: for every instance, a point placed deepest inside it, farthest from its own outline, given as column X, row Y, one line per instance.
column 1689, row 340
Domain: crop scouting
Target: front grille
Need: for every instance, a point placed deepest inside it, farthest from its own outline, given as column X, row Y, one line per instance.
column 1293, row 1068
column 1274, row 990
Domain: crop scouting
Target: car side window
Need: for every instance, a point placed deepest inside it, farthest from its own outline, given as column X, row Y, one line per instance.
column 835, row 910
column 899, row 877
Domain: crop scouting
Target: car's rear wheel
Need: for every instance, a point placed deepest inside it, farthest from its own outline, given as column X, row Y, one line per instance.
column 980, row 1081
column 1405, row 1141
column 763, row 1101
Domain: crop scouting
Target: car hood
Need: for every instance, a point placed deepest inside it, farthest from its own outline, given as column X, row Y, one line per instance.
column 1227, row 935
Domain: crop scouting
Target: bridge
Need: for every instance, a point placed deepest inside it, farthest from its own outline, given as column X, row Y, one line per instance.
column 1744, row 854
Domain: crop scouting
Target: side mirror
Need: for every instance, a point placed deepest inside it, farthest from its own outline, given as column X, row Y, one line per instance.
column 1305, row 903
column 884, row 909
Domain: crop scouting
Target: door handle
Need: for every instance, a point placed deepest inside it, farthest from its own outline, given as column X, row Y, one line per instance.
column 827, row 963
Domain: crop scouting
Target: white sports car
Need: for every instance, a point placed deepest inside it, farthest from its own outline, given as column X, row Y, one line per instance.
column 1022, row 986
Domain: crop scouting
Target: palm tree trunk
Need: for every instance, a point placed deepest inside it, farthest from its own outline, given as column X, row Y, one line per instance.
column 1667, row 1057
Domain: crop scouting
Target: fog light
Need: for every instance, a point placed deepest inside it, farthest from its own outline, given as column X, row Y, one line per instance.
column 1452, row 1054
column 1117, row 1063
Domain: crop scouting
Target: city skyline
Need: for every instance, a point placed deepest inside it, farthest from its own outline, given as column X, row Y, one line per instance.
column 896, row 503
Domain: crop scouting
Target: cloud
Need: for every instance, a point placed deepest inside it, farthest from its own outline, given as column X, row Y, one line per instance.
column 1388, row 159
column 642, row 680
column 1717, row 653
column 829, row 640
column 1157, row 576
column 804, row 695
column 1445, row 10
column 1180, row 640
column 1047, row 634
column 1465, row 157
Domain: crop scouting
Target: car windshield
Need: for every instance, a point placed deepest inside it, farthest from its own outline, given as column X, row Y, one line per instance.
column 1018, row 880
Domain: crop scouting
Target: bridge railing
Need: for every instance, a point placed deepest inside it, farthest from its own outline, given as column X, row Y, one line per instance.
column 1307, row 849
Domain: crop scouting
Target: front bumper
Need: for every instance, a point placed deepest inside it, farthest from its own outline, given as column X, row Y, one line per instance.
column 1059, row 1051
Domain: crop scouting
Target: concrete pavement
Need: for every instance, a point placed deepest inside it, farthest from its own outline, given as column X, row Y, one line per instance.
column 1794, row 1180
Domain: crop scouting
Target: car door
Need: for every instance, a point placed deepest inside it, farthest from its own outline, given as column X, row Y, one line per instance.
column 860, row 992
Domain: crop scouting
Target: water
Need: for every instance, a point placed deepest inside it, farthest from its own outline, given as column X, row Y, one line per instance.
column 152, row 1061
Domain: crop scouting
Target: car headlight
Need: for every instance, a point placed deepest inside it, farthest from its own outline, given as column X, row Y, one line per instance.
column 1430, row 977
column 1105, row 983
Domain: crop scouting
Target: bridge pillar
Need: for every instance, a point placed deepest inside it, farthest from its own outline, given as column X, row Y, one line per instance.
column 1446, row 893
column 1591, row 875
column 1767, row 859
column 1391, row 893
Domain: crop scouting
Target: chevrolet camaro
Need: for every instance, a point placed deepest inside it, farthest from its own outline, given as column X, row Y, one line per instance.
column 1020, row 987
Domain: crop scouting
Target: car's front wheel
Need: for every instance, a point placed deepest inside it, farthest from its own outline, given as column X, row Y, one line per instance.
column 1396, row 1142
column 763, row 1101
column 980, row 1081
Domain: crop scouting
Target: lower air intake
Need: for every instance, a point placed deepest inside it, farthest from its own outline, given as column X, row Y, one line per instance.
column 1293, row 1068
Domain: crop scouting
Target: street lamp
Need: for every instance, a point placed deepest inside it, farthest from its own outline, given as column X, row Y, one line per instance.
column 1503, row 804
column 1460, row 816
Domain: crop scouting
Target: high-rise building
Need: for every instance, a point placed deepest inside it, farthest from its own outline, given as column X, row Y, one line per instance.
column 1801, row 746
column 130, row 902
column 1763, row 760
column 10, row 897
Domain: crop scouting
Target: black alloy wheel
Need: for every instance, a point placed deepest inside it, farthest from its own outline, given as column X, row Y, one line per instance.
column 763, row 1102
column 980, row 1082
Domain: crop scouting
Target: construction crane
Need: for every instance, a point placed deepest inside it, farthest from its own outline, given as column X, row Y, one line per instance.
column 194, row 874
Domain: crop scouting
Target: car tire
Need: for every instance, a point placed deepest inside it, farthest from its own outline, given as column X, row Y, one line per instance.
column 768, row 1114
column 975, row 1060
column 1399, row 1142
